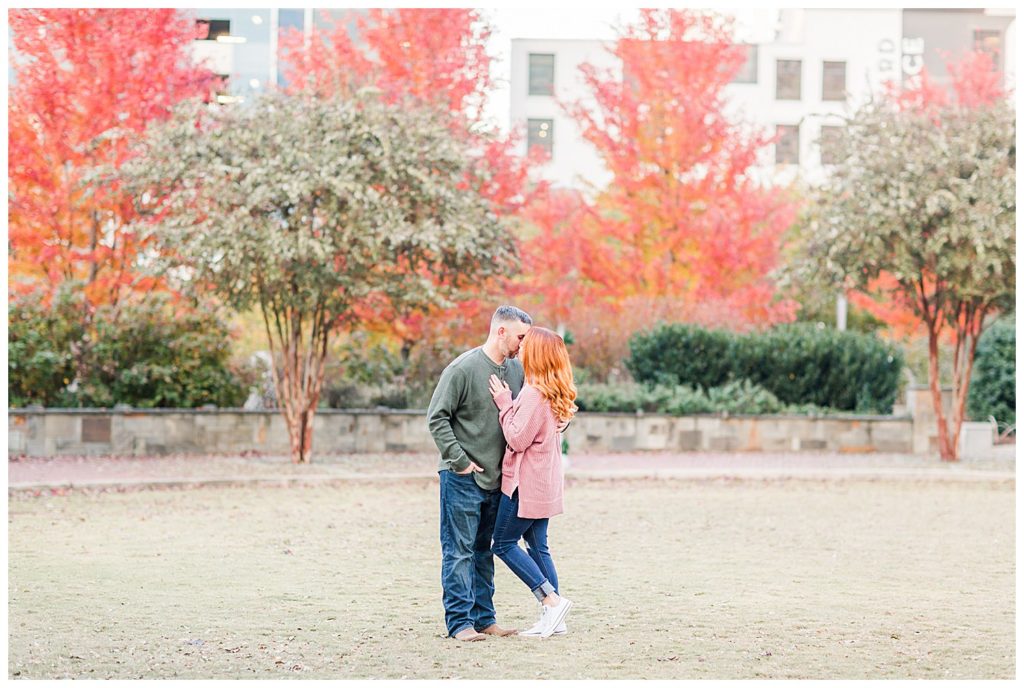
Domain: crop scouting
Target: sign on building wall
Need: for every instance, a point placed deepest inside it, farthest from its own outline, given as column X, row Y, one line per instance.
column 913, row 60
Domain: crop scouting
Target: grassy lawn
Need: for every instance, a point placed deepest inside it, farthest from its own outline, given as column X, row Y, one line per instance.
column 671, row 579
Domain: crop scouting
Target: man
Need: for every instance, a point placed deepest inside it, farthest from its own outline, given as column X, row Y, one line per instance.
column 464, row 423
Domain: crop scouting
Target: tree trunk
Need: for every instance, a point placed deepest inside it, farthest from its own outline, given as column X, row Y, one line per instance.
column 298, row 380
column 969, row 328
column 298, row 418
column 947, row 451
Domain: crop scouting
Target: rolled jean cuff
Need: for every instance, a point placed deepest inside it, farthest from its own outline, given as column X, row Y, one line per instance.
column 543, row 590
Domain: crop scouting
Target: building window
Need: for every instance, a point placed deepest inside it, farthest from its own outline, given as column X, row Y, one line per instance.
column 542, row 74
column 833, row 81
column 214, row 28
column 539, row 132
column 748, row 70
column 787, row 144
column 827, row 144
column 991, row 42
column 787, row 79
column 292, row 18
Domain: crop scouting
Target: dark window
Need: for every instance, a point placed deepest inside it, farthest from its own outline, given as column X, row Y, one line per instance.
column 214, row 28
column 542, row 75
column 539, row 132
column 827, row 144
column 833, row 81
column 787, row 79
column 991, row 42
column 221, row 86
column 787, row 146
column 748, row 71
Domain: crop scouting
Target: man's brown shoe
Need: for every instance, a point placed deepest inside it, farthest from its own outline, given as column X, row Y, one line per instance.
column 495, row 629
column 469, row 635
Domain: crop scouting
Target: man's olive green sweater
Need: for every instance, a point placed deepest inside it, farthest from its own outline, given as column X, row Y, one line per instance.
column 463, row 418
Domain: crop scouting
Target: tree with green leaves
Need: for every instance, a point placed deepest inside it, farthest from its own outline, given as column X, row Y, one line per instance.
column 307, row 207
column 921, row 209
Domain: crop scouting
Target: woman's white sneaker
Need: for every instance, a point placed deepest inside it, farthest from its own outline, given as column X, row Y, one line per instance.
column 554, row 616
column 534, row 631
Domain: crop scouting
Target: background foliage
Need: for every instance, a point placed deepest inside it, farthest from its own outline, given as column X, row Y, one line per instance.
column 798, row 363
column 146, row 354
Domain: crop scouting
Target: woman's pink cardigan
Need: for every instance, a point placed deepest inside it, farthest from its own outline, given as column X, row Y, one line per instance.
column 533, row 460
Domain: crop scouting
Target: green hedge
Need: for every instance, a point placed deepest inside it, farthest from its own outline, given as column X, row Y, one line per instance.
column 144, row 356
column 993, row 380
column 799, row 364
column 737, row 397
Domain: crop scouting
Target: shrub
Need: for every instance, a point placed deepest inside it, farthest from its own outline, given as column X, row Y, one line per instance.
column 369, row 370
column 740, row 397
column 993, row 381
column 629, row 397
column 681, row 354
column 142, row 354
column 40, row 360
column 805, row 364
column 799, row 364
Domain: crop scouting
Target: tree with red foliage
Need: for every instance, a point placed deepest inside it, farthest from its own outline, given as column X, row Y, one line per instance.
column 80, row 74
column 561, row 268
column 682, row 225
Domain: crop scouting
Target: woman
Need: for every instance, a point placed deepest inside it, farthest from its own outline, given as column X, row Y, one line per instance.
column 531, row 472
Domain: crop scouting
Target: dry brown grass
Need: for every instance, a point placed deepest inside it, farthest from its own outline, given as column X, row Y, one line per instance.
column 671, row 579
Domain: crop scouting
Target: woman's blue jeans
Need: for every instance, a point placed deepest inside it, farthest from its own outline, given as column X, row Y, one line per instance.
column 534, row 566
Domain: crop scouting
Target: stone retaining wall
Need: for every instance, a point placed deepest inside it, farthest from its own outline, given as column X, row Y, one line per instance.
column 141, row 432
column 136, row 432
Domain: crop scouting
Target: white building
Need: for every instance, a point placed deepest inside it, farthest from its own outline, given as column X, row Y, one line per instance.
column 804, row 70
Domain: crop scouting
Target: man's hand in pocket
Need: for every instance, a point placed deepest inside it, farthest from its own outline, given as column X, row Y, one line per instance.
column 473, row 468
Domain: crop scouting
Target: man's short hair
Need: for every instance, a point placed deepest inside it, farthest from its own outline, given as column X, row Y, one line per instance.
column 511, row 314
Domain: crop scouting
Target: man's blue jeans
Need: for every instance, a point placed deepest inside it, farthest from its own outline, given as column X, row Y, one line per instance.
column 467, row 565
column 534, row 566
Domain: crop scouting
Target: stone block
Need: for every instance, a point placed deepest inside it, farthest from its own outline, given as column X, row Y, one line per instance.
column 651, row 433
column 688, row 440
column 63, row 426
column 895, row 446
column 776, row 444
column 750, row 432
column 976, row 440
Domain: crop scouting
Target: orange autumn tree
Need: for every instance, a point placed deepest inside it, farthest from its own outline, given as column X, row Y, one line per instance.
column 682, row 231
column 436, row 57
column 78, row 74
column 560, row 269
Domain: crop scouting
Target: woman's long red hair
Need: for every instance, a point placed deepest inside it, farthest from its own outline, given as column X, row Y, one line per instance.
column 546, row 364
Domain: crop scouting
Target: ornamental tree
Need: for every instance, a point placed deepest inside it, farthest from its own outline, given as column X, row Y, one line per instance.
column 921, row 209
column 306, row 207
column 973, row 83
column 438, row 59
